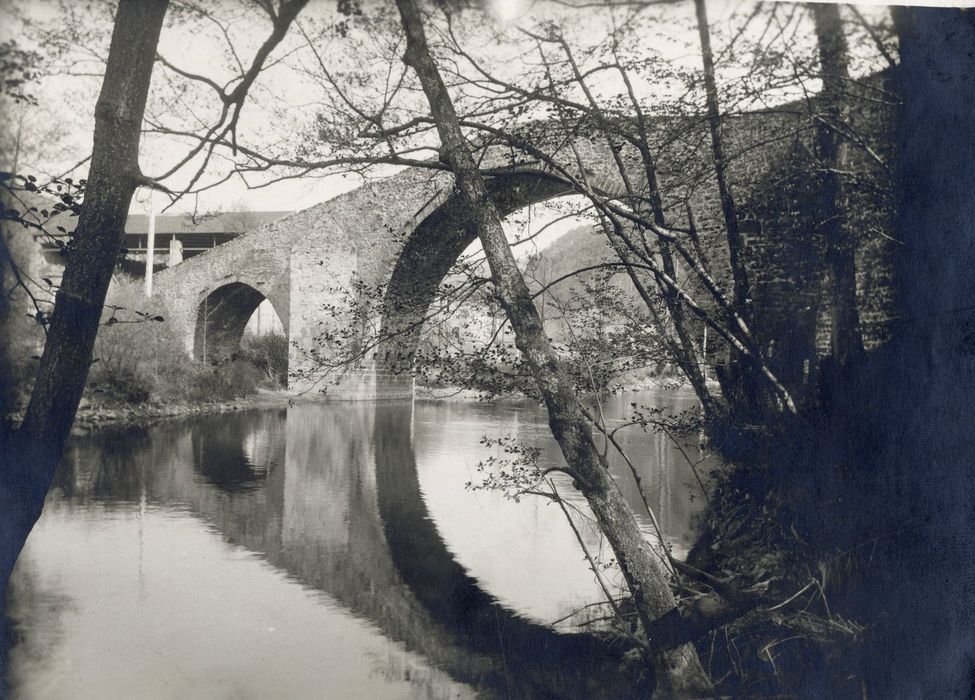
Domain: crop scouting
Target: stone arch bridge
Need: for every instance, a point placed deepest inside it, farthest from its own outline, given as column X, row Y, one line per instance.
column 401, row 234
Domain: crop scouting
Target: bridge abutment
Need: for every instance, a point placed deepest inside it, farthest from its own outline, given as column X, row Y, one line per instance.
column 369, row 383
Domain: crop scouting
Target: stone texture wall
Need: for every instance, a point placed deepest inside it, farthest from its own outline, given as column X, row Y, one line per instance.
column 771, row 175
column 785, row 250
column 259, row 261
column 339, row 270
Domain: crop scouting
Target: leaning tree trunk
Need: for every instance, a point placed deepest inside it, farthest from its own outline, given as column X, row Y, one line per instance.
column 742, row 382
column 679, row 671
column 845, row 339
column 31, row 454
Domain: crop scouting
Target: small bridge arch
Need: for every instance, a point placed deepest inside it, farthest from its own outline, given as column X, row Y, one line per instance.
column 221, row 317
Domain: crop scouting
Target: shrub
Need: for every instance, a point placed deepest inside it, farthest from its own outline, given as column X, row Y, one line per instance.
column 125, row 385
column 269, row 353
column 139, row 360
column 21, row 335
column 195, row 382
column 232, row 380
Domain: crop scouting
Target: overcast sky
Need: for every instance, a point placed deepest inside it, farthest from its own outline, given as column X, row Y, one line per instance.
column 57, row 132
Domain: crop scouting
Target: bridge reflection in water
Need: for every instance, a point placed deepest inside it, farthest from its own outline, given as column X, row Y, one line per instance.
column 293, row 553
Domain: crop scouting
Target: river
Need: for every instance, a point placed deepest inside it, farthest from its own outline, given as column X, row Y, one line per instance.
column 324, row 551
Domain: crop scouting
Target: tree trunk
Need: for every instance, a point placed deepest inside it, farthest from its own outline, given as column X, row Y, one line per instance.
column 687, row 361
column 738, row 273
column 925, row 377
column 683, row 351
column 845, row 339
column 32, row 452
column 679, row 671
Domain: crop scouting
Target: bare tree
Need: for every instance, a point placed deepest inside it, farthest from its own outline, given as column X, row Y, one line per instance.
column 845, row 339
column 32, row 450
column 679, row 671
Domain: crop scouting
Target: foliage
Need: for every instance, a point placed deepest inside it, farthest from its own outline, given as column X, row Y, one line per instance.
column 513, row 470
column 198, row 383
column 18, row 68
column 33, row 212
column 464, row 341
column 21, row 333
column 139, row 358
column 187, row 383
column 269, row 353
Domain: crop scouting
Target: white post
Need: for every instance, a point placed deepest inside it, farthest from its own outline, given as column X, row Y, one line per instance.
column 704, row 354
column 175, row 252
column 150, row 246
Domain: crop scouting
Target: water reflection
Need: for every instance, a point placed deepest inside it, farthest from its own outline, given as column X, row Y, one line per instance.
column 233, row 461
column 280, row 553
column 542, row 663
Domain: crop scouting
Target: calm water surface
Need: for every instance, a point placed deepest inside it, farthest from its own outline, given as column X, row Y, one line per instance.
column 320, row 551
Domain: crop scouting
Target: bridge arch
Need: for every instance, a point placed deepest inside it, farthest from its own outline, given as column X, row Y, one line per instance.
column 222, row 314
column 431, row 250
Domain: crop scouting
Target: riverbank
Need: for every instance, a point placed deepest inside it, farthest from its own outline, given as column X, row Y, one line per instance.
column 91, row 416
column 642, row 384
column 95, row 414
column 793, row 636
column 802, row 545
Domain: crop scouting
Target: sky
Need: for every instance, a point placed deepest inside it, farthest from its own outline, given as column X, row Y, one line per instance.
column 283, row 96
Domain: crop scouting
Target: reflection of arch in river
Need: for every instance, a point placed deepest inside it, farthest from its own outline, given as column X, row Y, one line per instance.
column 233, row 461
column 390, row 565
column 568, row 665
column 340, row 509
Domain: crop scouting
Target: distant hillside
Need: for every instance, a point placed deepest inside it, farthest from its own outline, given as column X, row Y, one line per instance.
column 576, row 249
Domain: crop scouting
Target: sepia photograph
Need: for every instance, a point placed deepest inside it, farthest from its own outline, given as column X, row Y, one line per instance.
column 486, row 349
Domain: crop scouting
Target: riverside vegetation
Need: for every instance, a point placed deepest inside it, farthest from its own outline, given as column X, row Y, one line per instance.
column 141, row 369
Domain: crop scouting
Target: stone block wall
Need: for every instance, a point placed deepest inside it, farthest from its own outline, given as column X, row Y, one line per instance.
column 256, row 260
column 770, row 169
